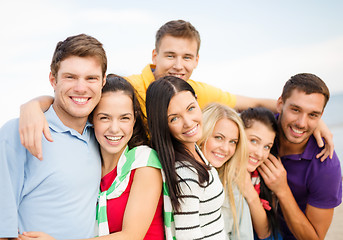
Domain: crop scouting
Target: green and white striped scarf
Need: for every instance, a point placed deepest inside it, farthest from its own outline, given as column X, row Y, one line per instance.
column 141, row 156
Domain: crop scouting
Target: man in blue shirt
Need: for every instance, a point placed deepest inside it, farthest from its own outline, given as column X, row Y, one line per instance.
column 58, row 195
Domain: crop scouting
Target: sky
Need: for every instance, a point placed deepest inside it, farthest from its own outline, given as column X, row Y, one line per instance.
column 247, row 47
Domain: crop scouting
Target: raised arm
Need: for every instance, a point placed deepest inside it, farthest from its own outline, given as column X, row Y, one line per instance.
column 243, row 103
column 32, row 124
column 314, row 224
column 322, row 131
column 257, row 212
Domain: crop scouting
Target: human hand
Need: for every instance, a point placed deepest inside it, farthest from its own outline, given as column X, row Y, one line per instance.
column 32, row 123
column 273, row 174
column 248, row 190
column 322, row 131
column 35, row 235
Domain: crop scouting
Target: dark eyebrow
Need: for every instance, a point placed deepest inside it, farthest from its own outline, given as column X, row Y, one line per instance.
column 190, row 105
column 314, row 112
column 100, row 113
column 294, row 105
column 256, row 137
column 173, row 114
column 189, row 55
column 169, row 52
column 122, row 115
column 73, row 74
column 94, row 76
column 68, row 73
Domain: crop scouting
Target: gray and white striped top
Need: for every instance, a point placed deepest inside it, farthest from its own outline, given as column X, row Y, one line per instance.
column 200, row 210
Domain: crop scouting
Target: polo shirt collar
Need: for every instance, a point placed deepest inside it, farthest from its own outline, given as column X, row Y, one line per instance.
column 56, row 125
column 308, row 154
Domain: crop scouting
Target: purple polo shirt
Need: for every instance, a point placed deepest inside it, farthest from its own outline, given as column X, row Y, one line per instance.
column 311, row 181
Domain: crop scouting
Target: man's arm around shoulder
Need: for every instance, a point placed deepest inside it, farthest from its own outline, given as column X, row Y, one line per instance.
column 243, row 103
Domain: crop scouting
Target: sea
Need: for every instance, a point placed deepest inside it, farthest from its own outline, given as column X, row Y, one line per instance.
column 333, row 117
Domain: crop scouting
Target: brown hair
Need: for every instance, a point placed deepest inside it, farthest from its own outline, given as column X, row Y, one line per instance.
column 308, row 83
column 80, row 45
column 177, row 28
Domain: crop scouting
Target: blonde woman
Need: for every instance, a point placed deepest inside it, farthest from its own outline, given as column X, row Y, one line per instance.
column 224, row 144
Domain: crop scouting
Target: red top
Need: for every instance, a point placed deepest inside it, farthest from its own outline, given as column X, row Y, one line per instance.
column 116, row 208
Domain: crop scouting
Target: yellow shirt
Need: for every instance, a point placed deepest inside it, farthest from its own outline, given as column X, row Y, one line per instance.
column 206, row 93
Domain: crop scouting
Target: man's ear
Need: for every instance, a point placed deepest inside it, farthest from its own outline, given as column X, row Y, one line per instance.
column 104, row 81
column 197, row 60
column 154, row 56
column 53, row 80
column 279, row 105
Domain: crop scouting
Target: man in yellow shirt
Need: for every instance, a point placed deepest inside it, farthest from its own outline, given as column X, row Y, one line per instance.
column 177, row 53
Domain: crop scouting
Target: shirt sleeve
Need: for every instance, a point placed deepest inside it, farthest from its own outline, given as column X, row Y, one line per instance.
column 245, row 223
column 187, row 220
column 207, row 94
column 244, row 219
column 11, row 182
column 325, row 187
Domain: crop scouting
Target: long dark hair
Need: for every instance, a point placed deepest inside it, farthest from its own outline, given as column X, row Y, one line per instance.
column 169, row 149
column 266, row 117
column 115, row 83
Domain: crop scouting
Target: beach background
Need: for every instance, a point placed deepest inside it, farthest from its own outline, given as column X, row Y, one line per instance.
column 333, row 117
column 248, row 47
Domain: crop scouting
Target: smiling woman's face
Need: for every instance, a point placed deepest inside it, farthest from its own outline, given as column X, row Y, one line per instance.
column 113, row 122
column 260, row 141
column 185, row 118
column 221, row 144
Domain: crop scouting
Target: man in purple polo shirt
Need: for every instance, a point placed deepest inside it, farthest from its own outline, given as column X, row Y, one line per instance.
column 308, row 189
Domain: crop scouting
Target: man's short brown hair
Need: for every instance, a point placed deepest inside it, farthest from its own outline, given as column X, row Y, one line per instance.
column 80, row 45
column 177, row 28
column 308, row 83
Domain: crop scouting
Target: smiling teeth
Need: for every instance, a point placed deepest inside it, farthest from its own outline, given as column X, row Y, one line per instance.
column 80, row 100
column 297, row 131
column 219, row 155
column 113, row 138
column 191, row 131
column 253, row 160
column 177, row 75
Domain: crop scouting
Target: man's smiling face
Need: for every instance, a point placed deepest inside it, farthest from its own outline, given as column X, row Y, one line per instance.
column 175, row 56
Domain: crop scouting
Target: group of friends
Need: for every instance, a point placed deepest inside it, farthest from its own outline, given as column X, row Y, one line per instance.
column 174, row 158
